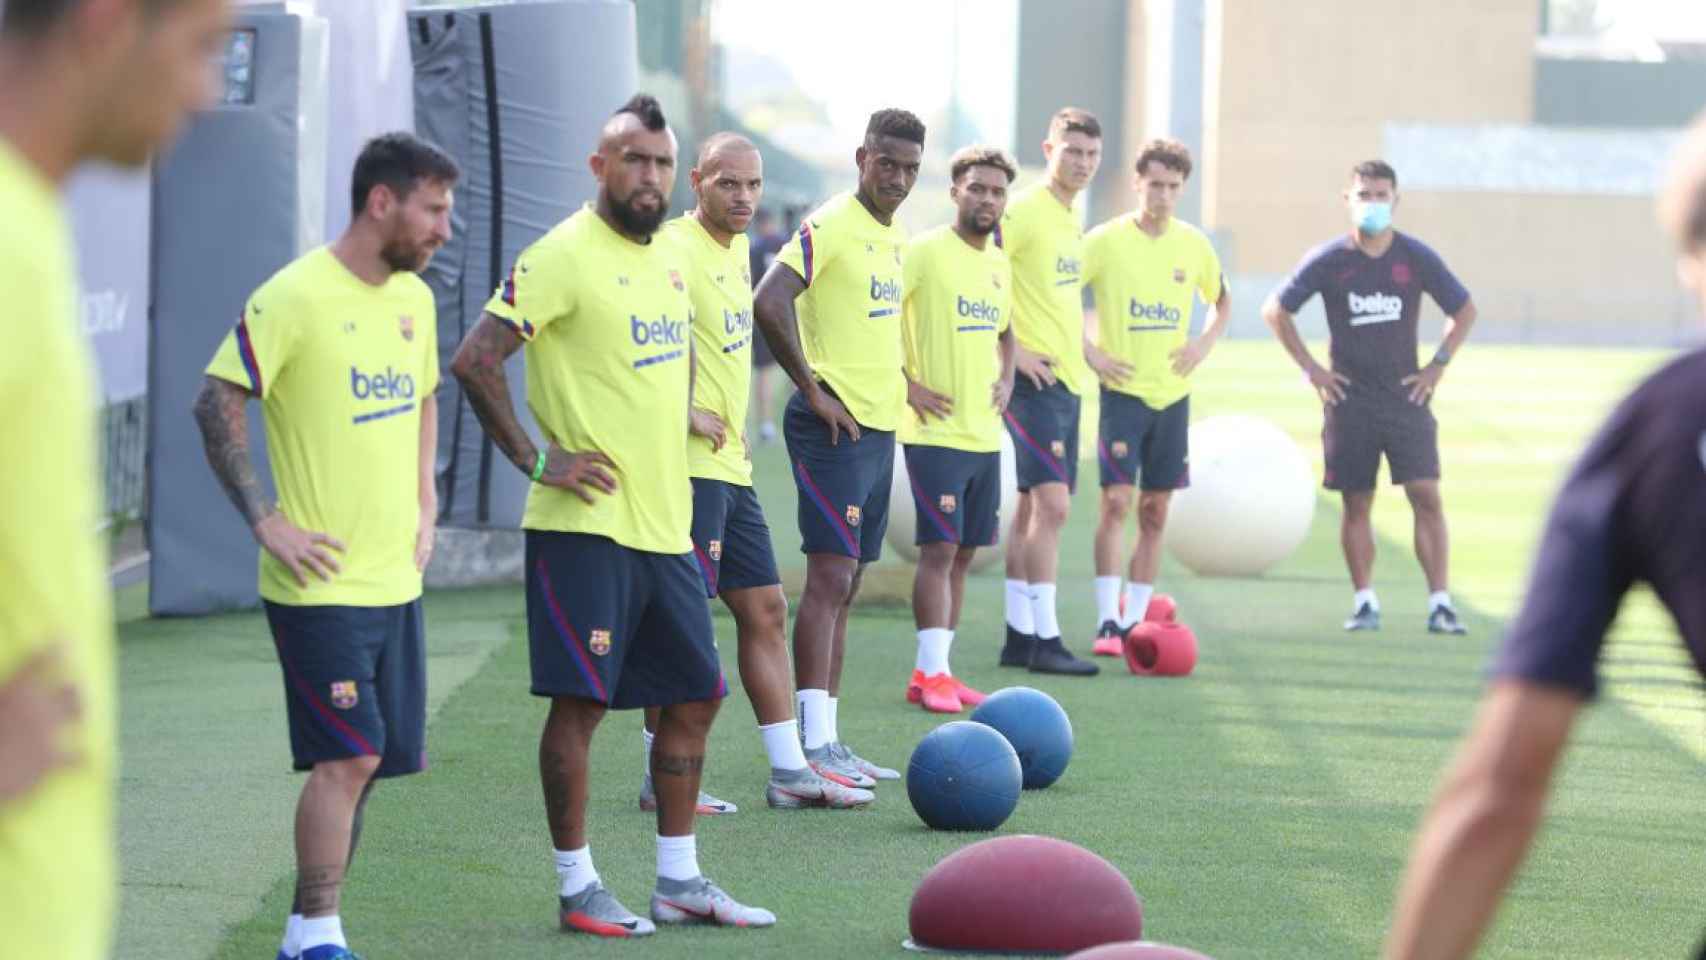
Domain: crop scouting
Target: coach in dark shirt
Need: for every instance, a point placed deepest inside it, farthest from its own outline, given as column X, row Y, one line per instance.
column 1633, row 510
column 1371, row 282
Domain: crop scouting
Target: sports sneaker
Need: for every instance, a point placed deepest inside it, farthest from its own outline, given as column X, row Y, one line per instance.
column 1443, row 619
column 968, row 696
column 594, row 910
column 1051, row 656
column 1016, row 652
column 826, row 763
column 1110, row 640
column 862, row 765
column 701, row 901
column 709, row 806
column 1367, row 617
column 327, row 951
column 808, row 789
column 915, row 687
column 940, row 695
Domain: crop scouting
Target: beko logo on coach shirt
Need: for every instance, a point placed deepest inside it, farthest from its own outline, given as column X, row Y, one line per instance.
column 1374, row 308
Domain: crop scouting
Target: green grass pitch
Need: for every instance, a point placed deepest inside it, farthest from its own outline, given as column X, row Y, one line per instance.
column 1263, row 807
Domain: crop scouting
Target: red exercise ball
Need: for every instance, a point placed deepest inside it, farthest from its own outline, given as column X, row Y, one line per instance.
column 1160, row 649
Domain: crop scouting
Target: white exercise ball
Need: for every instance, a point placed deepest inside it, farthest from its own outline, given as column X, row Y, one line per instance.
column 1251, row 499
column 903, row 510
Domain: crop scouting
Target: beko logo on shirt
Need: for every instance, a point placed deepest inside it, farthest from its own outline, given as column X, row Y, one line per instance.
column 885, row 291
column 1067, row 265
column 1374, row 308
column 737, row 322
column 979, row 310
column 385, row 384
column 1154, row 313
column 662, row 331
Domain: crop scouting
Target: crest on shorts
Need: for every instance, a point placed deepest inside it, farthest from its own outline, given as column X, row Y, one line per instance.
column 1057, row 447
column 715, row 549
column 947, row 502
column 676, row 281
column 1178, row 274
column 599, row 642
column 406, row 324
column 853, row 515
column 1120, row 449
column 344, row 695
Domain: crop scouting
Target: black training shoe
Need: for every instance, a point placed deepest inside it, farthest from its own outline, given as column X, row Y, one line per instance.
column 1443, row 619
column 1368, row 618
column 1049, row 655
column 1017, row 651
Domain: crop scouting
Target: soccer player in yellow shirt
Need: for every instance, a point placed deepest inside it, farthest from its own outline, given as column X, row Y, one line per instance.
column 843, row 350
column 1043, row 239
column 80, row 80
column 341, row 348
column 1145, row 270
column 731, row 540
column 957, row 313
column 616, row 611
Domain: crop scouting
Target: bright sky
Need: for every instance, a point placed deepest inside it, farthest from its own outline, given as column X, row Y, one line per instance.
column 1661, row 19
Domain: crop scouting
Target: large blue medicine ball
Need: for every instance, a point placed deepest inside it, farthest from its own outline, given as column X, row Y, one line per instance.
column 963, row 776
column 1037, row 728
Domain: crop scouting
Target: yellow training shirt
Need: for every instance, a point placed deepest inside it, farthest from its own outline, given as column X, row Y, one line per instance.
column 1043, row 239
column 606, row 324
column 342, row 368
column 58, row 875
column 850, row 310
column 958, row 301
column 720, row 282
column 1144, row 288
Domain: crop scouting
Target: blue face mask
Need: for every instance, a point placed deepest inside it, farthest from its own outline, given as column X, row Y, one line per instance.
column 1371, row 216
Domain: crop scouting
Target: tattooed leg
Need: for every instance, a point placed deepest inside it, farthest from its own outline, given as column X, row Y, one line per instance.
column 325, row 815
column 562, row 768
column 678, row 759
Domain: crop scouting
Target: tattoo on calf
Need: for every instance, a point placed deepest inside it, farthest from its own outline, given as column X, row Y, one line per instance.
column 317, row 889
column 677, row 766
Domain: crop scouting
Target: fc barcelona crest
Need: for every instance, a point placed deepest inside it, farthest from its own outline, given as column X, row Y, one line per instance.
column 1120, row 449
column 406, row 324
column 599, row 642
column 1058, row 448
column 853, row 515
column 1178, row 275
column 947, row 502
column 344, row 695
column 676, row 281
column 715, row 549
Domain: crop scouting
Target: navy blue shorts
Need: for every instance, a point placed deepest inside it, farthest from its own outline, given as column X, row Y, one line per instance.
column 1044, row 425
column 622, row 627
column 1140, row 444
column 957, row 493
column 1356, row 433
column 731, row 541
column 354, row 683
column 844, row 489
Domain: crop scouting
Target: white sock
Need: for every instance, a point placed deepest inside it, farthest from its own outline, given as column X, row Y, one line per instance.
column 1365, row 596
column 1137, row 602
column 678, row 858
column 1437, row 599
column 933, row 644
column 834, row 719
column 1019, row 607
column 782, row 743
column 1107, row 599
column 1042, row 610
column 648, row 737
column 575, row 868
column 814, row 716
column 319, row 931
column 292, row 944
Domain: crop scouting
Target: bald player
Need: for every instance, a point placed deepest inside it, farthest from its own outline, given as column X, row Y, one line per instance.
column 80, row 80
column 731, row 540
column 616, row 611
column 1632, row 511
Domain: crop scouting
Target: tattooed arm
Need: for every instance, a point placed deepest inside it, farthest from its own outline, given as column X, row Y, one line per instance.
column 479, row 367
column 224, row 422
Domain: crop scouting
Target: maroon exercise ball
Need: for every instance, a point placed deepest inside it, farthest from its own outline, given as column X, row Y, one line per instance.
column 1142, row 950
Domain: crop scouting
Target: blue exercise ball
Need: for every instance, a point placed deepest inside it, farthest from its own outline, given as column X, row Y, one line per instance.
column 963, row 776
column 1036, row 726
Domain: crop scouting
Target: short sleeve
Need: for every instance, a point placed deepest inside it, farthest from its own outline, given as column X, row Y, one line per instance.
column 1584, row 568
column 1440, row 282
column 538, row 291
column 1004, row 270
column 1094, row 244
column 258, row 348
column 428, row 325
column 804, row 252
column 911, row 268
column 1211, row 281
column 1304, row 282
